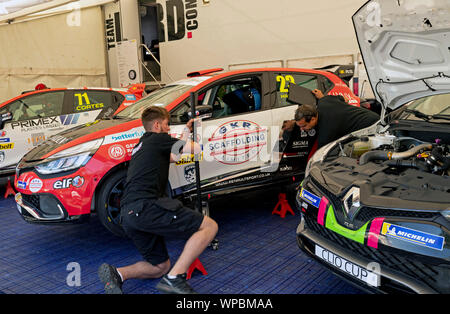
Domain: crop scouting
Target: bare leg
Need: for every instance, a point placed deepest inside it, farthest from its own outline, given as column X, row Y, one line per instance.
column 144, row 270
column 195, row 246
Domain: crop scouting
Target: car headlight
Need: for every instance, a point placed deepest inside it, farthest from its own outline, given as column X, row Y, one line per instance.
column 446, row 214
column 69, row 159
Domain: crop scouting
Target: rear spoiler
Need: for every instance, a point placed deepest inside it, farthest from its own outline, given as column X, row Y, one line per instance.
column 345, row 72
column 204, row 72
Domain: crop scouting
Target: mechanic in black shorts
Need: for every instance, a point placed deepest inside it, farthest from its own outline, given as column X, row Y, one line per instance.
column 148, row 215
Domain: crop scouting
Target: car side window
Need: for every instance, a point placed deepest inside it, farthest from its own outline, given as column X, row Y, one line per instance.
column 282, row 85
column 87, row 100
column 235, row 96
column 36, row 106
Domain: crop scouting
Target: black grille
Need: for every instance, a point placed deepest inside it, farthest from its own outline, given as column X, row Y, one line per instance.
column 430, row 274
column 31, row 200
column 369, row 213
column 366, row 214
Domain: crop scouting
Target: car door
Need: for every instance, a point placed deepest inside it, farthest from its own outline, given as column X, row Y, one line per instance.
column 295, row 155
column 235, row 136
column 34, row 118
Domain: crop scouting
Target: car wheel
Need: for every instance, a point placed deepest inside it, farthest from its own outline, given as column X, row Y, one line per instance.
column 108, row 202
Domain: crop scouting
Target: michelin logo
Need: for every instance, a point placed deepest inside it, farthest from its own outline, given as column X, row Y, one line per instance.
column 413, row 236
column 312, row 199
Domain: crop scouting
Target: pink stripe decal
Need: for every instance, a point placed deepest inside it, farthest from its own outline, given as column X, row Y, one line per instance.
column 374, row 232
column 322, row 209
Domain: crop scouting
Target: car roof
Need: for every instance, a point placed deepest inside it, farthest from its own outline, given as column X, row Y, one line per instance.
column 33, row 92
column 198, row 82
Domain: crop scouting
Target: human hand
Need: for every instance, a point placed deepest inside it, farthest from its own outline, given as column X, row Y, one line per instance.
column 190, row 124
column 318, row 93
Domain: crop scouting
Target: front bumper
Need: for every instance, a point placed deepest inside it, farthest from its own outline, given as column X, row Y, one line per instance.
column 44, row 209
column 398, row 268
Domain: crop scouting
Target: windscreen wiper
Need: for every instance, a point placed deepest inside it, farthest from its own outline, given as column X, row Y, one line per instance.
column 418, row 114
column 441, row 116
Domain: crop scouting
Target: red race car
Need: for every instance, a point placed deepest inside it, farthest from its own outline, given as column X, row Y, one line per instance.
column 32, row 117
column 81, row 171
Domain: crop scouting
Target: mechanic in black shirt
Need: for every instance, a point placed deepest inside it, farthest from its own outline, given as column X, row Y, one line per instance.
column 332, row 118
column 148, row 215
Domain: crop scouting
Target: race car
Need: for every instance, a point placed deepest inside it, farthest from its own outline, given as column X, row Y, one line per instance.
column 375, row 204
column 30, row 118
column 81, row 171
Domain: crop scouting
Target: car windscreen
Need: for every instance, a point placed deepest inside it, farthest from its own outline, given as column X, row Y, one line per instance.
column 436, row 107
column 161, row 97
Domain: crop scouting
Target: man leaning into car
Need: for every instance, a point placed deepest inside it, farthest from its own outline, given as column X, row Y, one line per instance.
column 148, row 215
column 332, row 118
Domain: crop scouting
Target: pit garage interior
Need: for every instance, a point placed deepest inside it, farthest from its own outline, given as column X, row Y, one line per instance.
column 100, row 43
column 67, row 43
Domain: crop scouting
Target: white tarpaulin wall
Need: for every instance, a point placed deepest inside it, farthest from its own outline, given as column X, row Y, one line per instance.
column 63, row 50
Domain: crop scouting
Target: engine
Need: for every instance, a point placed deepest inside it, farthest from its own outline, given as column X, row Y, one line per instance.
column 399, row 153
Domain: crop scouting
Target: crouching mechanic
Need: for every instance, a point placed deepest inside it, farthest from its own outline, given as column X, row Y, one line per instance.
column 148, row 215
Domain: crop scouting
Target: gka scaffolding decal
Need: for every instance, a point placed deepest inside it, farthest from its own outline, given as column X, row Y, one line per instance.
column 236, row 142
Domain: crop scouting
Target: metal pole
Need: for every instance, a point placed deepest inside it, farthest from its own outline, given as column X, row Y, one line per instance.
column 197, row 165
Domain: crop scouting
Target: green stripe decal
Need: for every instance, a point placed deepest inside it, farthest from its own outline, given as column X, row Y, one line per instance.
column 355, row 235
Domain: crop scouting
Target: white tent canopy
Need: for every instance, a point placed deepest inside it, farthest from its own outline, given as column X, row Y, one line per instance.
column 59, row 46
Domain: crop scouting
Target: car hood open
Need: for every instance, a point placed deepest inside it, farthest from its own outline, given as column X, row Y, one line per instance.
column 405, row 46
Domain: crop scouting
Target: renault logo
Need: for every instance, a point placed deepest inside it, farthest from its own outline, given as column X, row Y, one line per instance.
column 352, row 202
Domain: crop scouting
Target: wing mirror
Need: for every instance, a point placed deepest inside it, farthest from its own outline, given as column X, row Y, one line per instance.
column 203, row 112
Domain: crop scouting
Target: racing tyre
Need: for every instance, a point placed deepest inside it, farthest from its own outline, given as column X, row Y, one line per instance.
column 108, row 202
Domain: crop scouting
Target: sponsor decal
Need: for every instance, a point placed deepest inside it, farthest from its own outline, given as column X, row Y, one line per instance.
column 36, row 139
column 127, row 136
column 133, row 134
column 5, row 140
column 2, row 133
column 236, row 142
column 89, row 107
column 244, row 179
column 189, row 158
column 116, row 151
column 189, row 173
column 38, row 124
column 130, row 97
column 21, row 185
column 59, row 139
column 77, row 182
column 69, row 118
column 310, row 198
column 413, row 236
column 6, row 146
column 36, row 185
